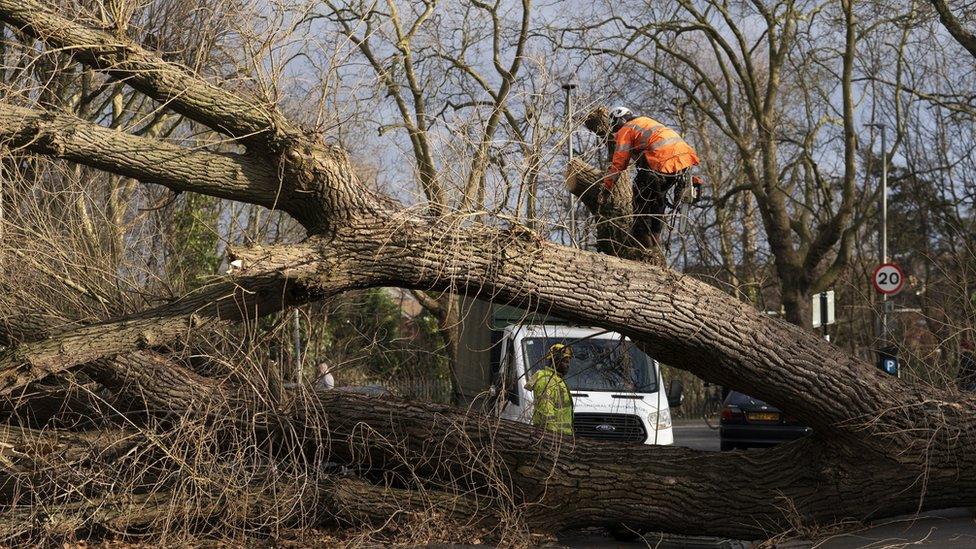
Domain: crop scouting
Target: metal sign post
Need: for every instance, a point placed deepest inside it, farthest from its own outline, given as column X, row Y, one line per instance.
column 823, row 310
column 569, row 87
column 888, row 279
column 883, row 329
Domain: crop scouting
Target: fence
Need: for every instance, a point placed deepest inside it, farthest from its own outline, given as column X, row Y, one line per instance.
column 422, row 389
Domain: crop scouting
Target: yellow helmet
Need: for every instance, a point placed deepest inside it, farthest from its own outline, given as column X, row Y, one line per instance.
column 560, row 351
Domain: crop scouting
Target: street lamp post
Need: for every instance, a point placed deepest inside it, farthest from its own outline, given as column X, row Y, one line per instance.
column 569, row 87
column 297, row 328
column 884, row 222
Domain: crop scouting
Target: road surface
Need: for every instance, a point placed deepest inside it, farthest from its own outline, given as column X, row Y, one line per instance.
column 695, row 434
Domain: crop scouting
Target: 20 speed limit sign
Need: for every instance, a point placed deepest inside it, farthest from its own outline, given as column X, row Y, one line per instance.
column 888, row 279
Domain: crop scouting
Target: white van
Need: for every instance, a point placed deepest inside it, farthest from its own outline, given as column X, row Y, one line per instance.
column 618, row 392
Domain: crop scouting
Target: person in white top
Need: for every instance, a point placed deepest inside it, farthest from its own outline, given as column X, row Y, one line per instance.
column 325, row 381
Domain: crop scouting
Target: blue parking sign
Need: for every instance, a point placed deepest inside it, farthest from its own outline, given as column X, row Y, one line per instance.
column 888, row 360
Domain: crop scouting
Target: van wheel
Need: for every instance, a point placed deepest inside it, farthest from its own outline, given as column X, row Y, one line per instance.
column 726, row 446
column 622, row 533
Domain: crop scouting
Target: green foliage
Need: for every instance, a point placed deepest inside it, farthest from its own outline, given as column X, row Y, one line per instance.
column 368, row 331
column 193, row 244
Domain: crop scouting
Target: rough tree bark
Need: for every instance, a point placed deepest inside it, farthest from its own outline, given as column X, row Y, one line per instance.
column 883, row 446
column 555, row 477
column 614, row 219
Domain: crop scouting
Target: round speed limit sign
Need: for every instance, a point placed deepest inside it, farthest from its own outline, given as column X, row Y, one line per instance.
column 888, row 279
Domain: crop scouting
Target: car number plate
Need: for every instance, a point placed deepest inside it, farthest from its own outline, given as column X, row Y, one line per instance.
column 763, row 416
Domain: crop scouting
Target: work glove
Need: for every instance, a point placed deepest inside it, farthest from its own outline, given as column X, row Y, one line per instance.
column 695, row 194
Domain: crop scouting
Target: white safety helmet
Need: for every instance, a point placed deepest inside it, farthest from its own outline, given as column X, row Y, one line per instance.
column 618, row 115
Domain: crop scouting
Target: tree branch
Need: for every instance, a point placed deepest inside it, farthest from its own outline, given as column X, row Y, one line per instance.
column 224, row 175
column 965, row 38
column 206, row 308
column 427, row 302
column 555, row 480
column 682, row 321
column 188, row 94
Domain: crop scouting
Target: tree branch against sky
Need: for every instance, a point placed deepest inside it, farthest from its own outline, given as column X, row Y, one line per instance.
column 741, row 67
column 404, row 47
column 958, row 28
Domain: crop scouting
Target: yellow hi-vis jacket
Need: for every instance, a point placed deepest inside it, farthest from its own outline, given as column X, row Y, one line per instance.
column 552, row 405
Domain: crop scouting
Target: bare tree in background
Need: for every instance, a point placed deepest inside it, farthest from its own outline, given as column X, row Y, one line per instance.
column 425, row 56
column 764, row 93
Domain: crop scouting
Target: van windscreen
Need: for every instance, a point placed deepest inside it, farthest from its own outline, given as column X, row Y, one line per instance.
column 597, row 365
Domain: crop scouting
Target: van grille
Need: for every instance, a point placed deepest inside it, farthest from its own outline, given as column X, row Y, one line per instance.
column 618, row 427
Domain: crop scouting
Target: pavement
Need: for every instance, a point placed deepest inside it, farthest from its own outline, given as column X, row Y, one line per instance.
column 943, row 528
column 600, row 540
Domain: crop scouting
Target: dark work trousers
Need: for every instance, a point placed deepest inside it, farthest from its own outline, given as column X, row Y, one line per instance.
column 650, row 201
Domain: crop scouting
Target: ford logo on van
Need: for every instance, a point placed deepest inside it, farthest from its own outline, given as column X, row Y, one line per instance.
column 605, row 428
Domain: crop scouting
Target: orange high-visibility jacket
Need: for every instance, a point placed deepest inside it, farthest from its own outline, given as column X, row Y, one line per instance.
column 663, row 148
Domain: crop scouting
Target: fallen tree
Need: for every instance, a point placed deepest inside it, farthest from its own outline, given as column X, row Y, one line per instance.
column 882, row 447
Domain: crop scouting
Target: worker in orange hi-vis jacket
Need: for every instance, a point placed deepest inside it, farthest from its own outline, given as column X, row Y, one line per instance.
column 663, row 161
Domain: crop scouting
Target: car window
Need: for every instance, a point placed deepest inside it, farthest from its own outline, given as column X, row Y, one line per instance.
column 598, row 364
column 736, row 398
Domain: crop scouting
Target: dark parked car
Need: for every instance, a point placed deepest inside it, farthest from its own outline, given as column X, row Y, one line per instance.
column 751, row 423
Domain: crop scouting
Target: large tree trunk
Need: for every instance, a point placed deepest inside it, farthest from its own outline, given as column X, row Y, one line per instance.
column 562, row 482
column 613, row 221
column 883, row 446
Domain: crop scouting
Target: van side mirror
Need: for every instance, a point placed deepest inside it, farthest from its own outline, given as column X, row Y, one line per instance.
column 676, row 393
